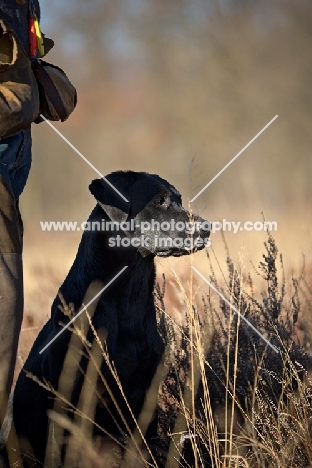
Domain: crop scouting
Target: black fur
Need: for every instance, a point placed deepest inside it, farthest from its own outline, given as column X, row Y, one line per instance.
column 125, row 309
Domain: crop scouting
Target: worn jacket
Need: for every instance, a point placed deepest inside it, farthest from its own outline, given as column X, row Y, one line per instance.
column 16, row 16
column 19, row 95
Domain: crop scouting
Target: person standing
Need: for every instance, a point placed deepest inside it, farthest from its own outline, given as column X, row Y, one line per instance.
column 19, row 107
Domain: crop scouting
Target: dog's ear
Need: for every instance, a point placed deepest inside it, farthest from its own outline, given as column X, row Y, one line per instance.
column 113, row 201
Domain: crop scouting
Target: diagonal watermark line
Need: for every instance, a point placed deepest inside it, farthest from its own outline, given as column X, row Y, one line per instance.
column 83, row 157
column 235, row 310
column 235, row 157
column 84, row 307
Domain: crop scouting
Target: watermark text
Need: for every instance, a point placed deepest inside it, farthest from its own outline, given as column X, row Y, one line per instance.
column 144, row 227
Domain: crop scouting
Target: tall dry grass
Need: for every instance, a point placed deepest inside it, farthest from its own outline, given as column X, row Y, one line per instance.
column 232, row 399
column 225, row 399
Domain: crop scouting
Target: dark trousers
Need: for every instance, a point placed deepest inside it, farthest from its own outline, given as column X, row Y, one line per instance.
column 15, row 160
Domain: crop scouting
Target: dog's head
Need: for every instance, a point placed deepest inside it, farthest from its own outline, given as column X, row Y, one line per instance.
column 149, row 212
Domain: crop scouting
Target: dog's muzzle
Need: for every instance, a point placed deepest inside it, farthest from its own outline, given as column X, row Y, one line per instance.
column 186, row 242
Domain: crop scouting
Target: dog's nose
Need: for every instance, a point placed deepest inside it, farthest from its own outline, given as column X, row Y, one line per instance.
column 204, row 226
column 201, row 233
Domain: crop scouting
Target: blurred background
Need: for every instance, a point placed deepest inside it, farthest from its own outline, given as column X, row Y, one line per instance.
column 178, row 88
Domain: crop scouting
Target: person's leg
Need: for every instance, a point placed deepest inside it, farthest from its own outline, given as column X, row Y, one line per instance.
column 15, row 159
column 11, row 285
column 11, row 298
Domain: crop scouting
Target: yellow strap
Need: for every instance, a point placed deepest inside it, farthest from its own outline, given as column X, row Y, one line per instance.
column 40, row 44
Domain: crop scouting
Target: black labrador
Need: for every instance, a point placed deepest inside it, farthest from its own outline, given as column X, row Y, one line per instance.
column 151, row 222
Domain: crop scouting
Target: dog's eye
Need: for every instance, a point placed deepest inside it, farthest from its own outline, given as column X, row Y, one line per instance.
column 159, row 201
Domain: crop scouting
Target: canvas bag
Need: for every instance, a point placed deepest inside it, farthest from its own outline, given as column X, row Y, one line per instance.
column 58, row 96
column 19, row 94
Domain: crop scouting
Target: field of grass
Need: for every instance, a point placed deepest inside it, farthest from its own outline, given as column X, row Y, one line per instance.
column 178, row 88
column 226, row 398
